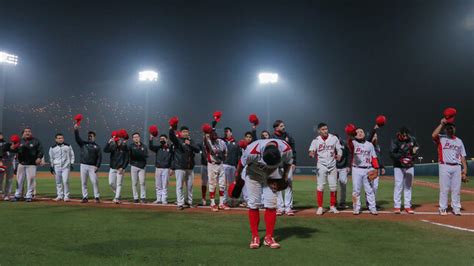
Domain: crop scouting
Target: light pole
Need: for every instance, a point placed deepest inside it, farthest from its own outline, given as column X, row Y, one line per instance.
column 150, row 77
column 267, row 79
column 5, row 59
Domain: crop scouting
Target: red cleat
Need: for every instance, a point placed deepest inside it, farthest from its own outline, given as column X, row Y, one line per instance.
column 270, row 242
column 214, row 208
column 255, row 242
column 396, row 210
column 409, row 211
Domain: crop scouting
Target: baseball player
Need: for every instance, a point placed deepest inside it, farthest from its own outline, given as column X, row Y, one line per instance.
column 61, row 156
column 7, row 168
column 285, row 198
column 91, row 158
column 119, row 159
column 204, row 176
column 403, row 150
column 164, row 156
column 232, row 158
column 364, row 168
column 264, row 160
column 343, row 170
column 327, row 149
column 216, row 151
column 184, row 150
column 451, row 156
column 138, row 157
column 30, row 154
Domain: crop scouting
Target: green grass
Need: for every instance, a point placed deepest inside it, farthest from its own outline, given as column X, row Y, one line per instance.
column 43, row 234
column 304, row 191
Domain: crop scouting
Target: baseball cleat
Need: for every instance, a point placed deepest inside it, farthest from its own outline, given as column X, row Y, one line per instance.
column 84, row 200
column 409, row 210
column 243, row 205
column 290, row 213
column 136, row 201
column 165, row 203
column 374, row 212
column 269, row 241
column 203, row 202
column 255, row 242
column 457, row 212
column 116, row 201
column 57, row 199
column 96, row 200
column 333, row 210
column 6, row 198
column 443, row 212
column 180, row 207
column 356, row 212
column 214, row 208
column 143, row 201
column 156, row 202
column 224, row 207
column 279, row 212
column 28, row 200
column 319, row 211
column 396, row 210
column 67, row 199
column 15, row 199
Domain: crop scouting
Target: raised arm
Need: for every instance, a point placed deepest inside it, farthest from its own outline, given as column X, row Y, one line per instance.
column 78, row 138
column 437, row 130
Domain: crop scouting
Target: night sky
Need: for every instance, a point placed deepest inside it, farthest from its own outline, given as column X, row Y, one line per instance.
column 338, row 61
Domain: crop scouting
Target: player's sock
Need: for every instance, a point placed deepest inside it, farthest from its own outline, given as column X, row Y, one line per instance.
column 333, row 198
column 320, row 198
column 203, row 192
column 221, row 197
column 211, row 196
column 270, row 220
column 254, row 219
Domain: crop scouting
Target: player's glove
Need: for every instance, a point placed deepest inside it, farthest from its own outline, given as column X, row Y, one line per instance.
column 2, row 168
column 406, row 161
column 373, row 174
column 71, row 167
column 277, row 184
column 51, row 170
column 464, row 177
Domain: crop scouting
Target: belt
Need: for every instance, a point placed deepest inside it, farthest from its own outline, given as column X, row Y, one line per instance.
column 363, row 167
column 452, row 164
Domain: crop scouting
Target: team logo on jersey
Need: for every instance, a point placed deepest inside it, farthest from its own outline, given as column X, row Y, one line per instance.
column 326, row 147
column 450, row 146
column 360, row 151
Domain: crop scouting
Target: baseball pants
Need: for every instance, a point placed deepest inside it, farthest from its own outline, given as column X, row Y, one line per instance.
column 359, row 179
column 27, row 172
column 285, row 203
column 162, row 176
column 256, row 187
column 62, row 181
column 89, row 171
column 450, row 180
column 342, row 178
column 403, row 183
column 216, row 178
column 8, row 177
column 138, row 176
column 182, row 177
column 115, row 182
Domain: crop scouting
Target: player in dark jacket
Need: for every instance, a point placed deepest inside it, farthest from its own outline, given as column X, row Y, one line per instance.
column 285, row 204
column 7, row 168
column 343, row 169
column 184, row 150
column 164, row 157
column 30, row 154
column 91, row 158
column 204, row 175
column 233, row 155
column 138, row 159
column 119, row 159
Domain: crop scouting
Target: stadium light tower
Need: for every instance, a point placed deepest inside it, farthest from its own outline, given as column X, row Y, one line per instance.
column 268, row 79
column 5, row 59
column 147, row 76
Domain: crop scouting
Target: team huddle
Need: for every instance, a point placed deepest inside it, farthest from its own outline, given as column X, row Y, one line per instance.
column 253, row 172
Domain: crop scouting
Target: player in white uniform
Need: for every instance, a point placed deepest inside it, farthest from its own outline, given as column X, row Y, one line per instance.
column 451, row 155
column 326, row 148
column 216, row 151
column 61, row 156
column 364, row 160
column 262, row 159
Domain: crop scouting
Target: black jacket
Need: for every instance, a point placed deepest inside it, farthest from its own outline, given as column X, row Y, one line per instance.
column 290, row 140
column 233, row 152
column 202, row 148
column 403, row 149
column 344, row 162
column 183, row 153
column 119, row 155
column 4, row 148
column 28, row 151
column 90, row 151
column 138, row 155
column 164, row 155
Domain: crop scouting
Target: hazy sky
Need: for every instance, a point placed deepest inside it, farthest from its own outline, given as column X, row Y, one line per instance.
column 338, row 61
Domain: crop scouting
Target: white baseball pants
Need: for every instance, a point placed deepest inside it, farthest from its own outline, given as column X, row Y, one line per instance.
column 138, row 176
column 403, row 182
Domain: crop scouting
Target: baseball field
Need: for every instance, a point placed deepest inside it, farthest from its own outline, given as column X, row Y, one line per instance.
column 50, row 233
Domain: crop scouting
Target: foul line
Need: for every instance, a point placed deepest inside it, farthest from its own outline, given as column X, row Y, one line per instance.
column 449, row 226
